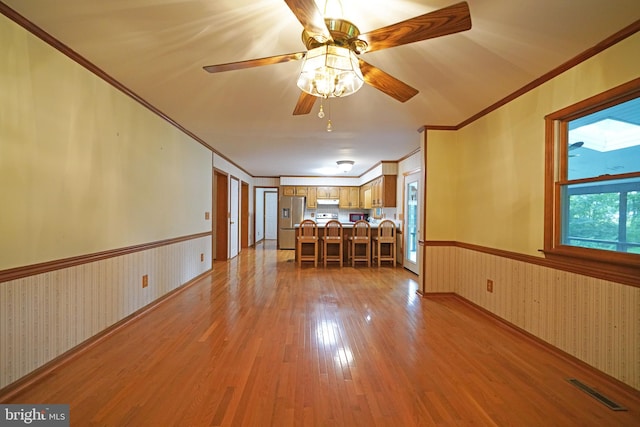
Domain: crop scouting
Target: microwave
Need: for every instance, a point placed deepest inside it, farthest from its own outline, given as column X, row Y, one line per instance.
column 353, row 217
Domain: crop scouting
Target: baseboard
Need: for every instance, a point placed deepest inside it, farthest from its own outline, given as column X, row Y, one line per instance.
column 614, row 382
column 16, row 387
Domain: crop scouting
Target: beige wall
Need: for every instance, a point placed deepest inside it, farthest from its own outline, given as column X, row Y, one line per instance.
column 485, row 187
column 490, row 174
column 442, row 176
column 83, row 167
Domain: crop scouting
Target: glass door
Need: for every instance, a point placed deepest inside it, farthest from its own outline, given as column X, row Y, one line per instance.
column 411, row 218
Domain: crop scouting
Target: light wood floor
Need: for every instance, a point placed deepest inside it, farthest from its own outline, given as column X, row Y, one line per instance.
column 261, row 342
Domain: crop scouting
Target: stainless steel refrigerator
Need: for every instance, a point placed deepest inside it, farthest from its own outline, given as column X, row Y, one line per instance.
column 290, row 213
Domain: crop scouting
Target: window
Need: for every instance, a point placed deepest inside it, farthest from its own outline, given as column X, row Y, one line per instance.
column 592, row 207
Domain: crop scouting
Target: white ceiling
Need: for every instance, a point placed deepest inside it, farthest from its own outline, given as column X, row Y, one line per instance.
column 157, row 49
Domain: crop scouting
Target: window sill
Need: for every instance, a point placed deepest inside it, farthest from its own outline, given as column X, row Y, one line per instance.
column 610, row 266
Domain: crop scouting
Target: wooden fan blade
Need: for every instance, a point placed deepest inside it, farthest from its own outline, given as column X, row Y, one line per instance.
column 254, row 62
column 311, row 19
column 386, row 82
column 305, row 104
column 449, row 20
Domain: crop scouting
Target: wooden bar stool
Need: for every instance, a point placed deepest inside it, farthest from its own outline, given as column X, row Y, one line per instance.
column 386, row 238
column 360, row 236
column 332, row 237
column 307, row 236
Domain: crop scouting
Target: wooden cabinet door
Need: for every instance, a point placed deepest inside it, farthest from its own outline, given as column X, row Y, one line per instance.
column 354, row 197
column 301, row 191
column 344, row 198
column 328, row 192
column 389, row 191
column 376, row 193
column 288, row 191
column 312, row 201
column 322, row 192
column 367, row 199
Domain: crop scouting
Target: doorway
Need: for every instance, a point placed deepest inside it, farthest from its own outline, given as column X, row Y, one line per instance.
column 221, row 198
column 265, row 213
column 271, row 215
column 244, row 216
column 234, row 216
column 411, row 218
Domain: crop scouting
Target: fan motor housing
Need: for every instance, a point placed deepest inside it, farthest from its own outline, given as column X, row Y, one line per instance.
column 344, row 33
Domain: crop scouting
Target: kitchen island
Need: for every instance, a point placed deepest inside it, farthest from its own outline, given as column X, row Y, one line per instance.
column 347, row 228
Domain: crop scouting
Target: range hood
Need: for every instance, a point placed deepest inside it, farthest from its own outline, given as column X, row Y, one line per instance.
column 328, row 201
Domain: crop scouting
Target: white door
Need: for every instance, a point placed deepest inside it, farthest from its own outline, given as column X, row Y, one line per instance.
column 234, row 217
column 411, row 221
column 271, row 215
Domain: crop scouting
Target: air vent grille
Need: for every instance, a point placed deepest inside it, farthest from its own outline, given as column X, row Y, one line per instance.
column 596, row 395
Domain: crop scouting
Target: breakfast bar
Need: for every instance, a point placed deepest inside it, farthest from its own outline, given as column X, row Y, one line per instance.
column 374, row 252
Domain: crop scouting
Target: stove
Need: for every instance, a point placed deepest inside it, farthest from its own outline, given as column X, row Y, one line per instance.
column 323, row 218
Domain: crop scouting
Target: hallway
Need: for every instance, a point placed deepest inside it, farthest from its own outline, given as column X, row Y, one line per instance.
column 260, row 342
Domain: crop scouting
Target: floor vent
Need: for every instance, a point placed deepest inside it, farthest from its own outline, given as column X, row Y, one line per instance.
column 593, row 393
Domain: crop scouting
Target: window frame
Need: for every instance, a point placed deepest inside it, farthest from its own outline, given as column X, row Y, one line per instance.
column 608, row 265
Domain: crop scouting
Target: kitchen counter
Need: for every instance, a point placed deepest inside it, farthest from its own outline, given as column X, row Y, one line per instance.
column 347, row 228
column 350, row 225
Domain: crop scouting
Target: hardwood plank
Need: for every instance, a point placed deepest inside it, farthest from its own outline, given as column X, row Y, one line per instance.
column 261, row 341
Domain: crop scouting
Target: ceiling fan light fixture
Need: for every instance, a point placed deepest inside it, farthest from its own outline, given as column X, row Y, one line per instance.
column 330, row 71
column 345, row 165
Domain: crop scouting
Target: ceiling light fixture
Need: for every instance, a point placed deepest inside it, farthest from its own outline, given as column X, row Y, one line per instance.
column 345, row 165
column 330, row 71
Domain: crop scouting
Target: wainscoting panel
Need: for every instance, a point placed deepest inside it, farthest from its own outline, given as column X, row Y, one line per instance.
column 594, row 320
column 442, row 268
column 45, row 315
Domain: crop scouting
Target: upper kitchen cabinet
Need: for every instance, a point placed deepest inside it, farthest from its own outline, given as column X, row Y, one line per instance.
column 312, row 198
column 288, row 191
column 349, row 197
column 365, row 196
column 328, row 192
column 383, row 192
column 354, row 197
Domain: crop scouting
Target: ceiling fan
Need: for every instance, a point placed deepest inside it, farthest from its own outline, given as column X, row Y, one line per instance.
column 324, row 36
column 574, row 146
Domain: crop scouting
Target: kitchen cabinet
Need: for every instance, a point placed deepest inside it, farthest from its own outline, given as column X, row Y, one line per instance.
column 354, row 197
column 312, row 199
column 344, row 197
column 288, row 191
column 383, row 192
column 349, row 197
column 379, row 193
column 328, row 192
column 376, row 193
column 366, row 197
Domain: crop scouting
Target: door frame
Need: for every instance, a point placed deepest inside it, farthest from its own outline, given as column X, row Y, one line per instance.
column 221, row 209
column 273, row 191
column 234, row 217
column 244, row 215
column 414, row 175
